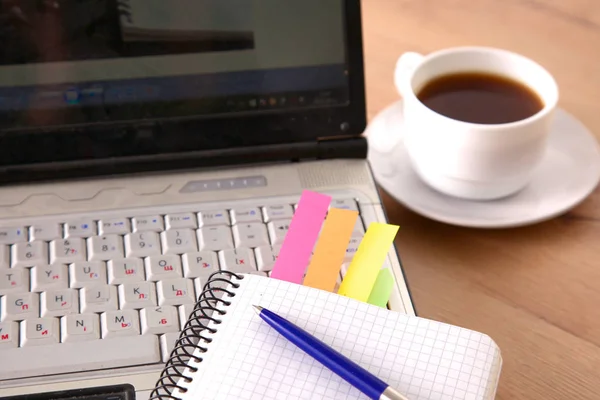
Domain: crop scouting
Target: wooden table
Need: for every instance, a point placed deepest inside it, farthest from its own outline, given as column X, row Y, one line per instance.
column 535, row 290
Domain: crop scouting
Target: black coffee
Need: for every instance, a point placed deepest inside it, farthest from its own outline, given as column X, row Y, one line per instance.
column 480, row 98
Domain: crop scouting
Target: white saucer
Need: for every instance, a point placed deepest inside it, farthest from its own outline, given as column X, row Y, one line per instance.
column 569, row 172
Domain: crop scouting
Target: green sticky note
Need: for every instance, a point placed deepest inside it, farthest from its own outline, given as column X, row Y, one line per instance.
column 380, row 294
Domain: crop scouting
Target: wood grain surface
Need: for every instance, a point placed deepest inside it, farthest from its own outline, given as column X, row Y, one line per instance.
column 535, row 290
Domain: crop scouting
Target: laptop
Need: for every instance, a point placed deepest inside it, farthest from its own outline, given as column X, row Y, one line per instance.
column 146, row 142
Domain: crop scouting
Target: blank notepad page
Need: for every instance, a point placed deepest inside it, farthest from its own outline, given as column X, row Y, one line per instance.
column 422, row 359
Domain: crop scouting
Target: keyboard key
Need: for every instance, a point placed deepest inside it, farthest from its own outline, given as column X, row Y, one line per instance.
column 118, row 226
column 86, row 273
column 56, row 303
column 47, row 231
column 259, row 273
column 152, row 223
column 200, row 264
column 217, row 288
column 282, row 211
column 185, row 311
column 249, row 214
column 215, row 238
column 79, row 328
column 352, row 248
column 250, row 234
column 346, row 204
column 176, row 292
column 83, row 228
column 212, row 218
column 105, row 247
column 14, row 280
column 278, row 230
column 13, row 235
column 29, row 254
column 178, row 241
column 48, row 277
column 77, row 357
column 159, row 320
column 9, row 334
column 120, row 323
column 240, row 260
column 98, row 298
column 126, row 270
column 39, row 331
column 19, row 306
column 142, row 244
column 137, row 295
column 167, row 343
column 180, row 221
column 67, row 250
column 163, row 267
column 266, row 257
column 4, row 256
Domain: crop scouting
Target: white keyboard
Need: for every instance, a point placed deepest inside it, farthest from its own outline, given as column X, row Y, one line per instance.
column 105, row 292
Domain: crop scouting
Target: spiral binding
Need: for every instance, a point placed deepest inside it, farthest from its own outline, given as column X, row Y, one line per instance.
column 195, row 330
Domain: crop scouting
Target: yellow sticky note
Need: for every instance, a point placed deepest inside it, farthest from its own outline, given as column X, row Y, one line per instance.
column 382, row 289
column 366, row 263
column 325, row 264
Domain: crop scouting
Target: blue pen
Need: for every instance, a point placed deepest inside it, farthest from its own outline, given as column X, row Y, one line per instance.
column 353, row 373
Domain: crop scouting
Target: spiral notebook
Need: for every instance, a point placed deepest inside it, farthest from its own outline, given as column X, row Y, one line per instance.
column 227, row 352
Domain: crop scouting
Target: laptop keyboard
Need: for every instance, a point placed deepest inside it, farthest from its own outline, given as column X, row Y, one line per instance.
column 107, row 292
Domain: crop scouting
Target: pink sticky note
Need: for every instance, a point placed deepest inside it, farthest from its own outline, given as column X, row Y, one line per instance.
column 300, row 239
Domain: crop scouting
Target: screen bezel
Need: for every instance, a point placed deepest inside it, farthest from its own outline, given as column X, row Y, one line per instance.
column 99, row 142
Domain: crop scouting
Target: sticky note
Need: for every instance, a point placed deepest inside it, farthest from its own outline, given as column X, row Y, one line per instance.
column 382, row 289
column 368, row 260
column 324, row 267
column 300, row 239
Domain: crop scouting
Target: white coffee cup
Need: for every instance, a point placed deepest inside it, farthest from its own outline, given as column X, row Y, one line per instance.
column 469, row 160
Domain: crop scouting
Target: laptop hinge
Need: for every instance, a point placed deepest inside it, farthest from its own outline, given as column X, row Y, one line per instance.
column 342, row 147
column 355, row 147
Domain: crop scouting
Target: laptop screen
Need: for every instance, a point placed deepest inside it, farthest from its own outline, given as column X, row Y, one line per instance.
column 65, row 62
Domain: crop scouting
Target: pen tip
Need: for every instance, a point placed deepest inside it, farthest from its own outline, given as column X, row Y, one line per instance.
column 258, row 309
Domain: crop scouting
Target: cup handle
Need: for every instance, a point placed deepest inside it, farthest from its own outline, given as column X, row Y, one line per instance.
column 405, row 66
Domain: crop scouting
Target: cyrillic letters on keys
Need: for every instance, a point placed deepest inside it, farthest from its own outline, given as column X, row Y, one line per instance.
column 159, row 320
column 161, row 267
column 9, row 334
column 200, row 264
column 14, row 280
column 79, row 327
column 120, row 323
column 57, row 303
column 175, row 291
column 137, row 295
column 19, row 306
column 48, row 277
column 86, row 273
column 39, row 331
column 125, row 270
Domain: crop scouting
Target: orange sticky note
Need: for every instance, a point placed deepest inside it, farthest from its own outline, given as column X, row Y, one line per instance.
column 325, row 264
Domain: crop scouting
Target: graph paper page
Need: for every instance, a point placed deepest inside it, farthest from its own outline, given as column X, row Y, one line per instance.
column 423, row 359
